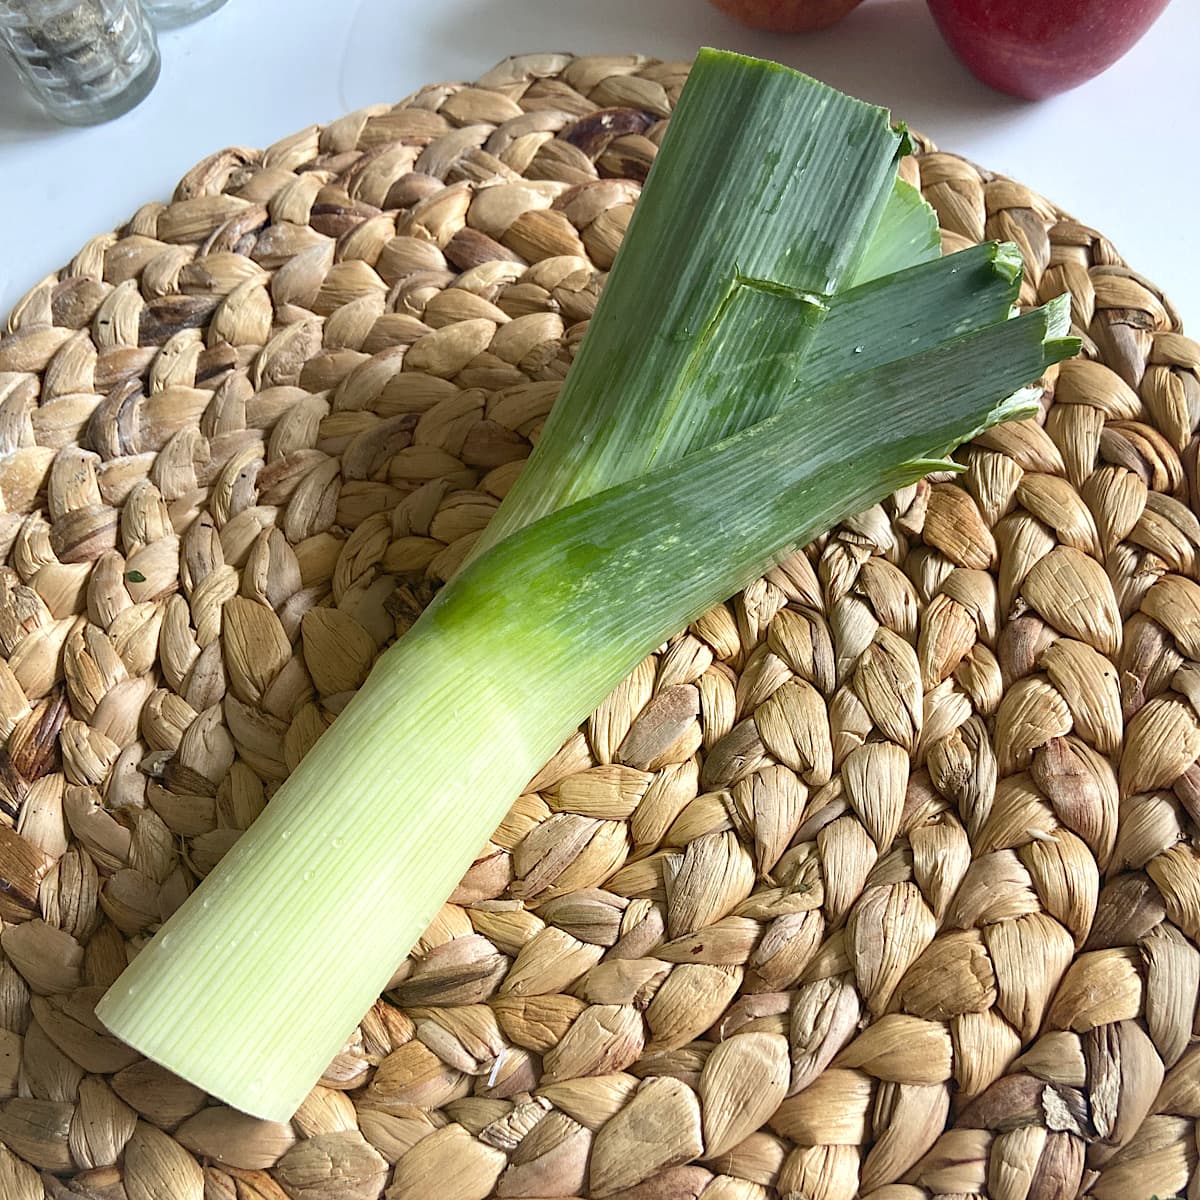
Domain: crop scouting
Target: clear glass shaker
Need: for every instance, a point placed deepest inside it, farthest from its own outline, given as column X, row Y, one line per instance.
column 86, row 61
column 170, row 14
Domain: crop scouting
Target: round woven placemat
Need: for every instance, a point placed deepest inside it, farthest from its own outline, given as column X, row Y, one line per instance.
column 879, row 880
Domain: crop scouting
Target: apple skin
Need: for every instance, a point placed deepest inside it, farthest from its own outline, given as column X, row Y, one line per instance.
column 787, row 16
column 1038, row 48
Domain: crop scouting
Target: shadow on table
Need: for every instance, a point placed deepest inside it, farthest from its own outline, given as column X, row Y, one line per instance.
column 887, row 51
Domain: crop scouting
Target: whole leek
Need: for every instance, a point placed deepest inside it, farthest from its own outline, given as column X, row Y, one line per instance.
column 254, row 983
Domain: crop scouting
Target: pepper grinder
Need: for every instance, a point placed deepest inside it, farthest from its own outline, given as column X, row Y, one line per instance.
column 85, row 61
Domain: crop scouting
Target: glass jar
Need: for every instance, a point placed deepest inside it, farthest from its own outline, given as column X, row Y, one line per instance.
column 170, row 14
column 86, row 61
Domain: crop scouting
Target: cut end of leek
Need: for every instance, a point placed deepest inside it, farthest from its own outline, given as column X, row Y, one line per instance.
column 1007, row 261
column 1058, row 322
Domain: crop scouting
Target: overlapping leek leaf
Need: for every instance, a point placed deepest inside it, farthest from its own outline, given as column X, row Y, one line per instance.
column 751, row 371
column 907, row 234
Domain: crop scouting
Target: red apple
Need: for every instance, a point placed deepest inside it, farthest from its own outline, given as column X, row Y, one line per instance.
column 787, row 16
column 1037, row 48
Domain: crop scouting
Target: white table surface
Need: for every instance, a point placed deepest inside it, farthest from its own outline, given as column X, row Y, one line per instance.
column 1120, row 152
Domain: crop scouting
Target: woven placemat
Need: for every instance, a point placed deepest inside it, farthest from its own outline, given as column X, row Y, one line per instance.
column 927, row 793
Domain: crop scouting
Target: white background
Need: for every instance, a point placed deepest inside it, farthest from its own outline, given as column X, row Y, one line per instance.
column 1122, row 152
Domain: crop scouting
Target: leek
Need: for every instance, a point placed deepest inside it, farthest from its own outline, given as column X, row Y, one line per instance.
column 253, row 985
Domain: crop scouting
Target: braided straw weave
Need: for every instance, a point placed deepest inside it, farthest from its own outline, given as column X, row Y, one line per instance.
column 880, row 880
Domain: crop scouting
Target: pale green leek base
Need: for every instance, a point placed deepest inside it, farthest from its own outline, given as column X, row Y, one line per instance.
column 295, row 935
